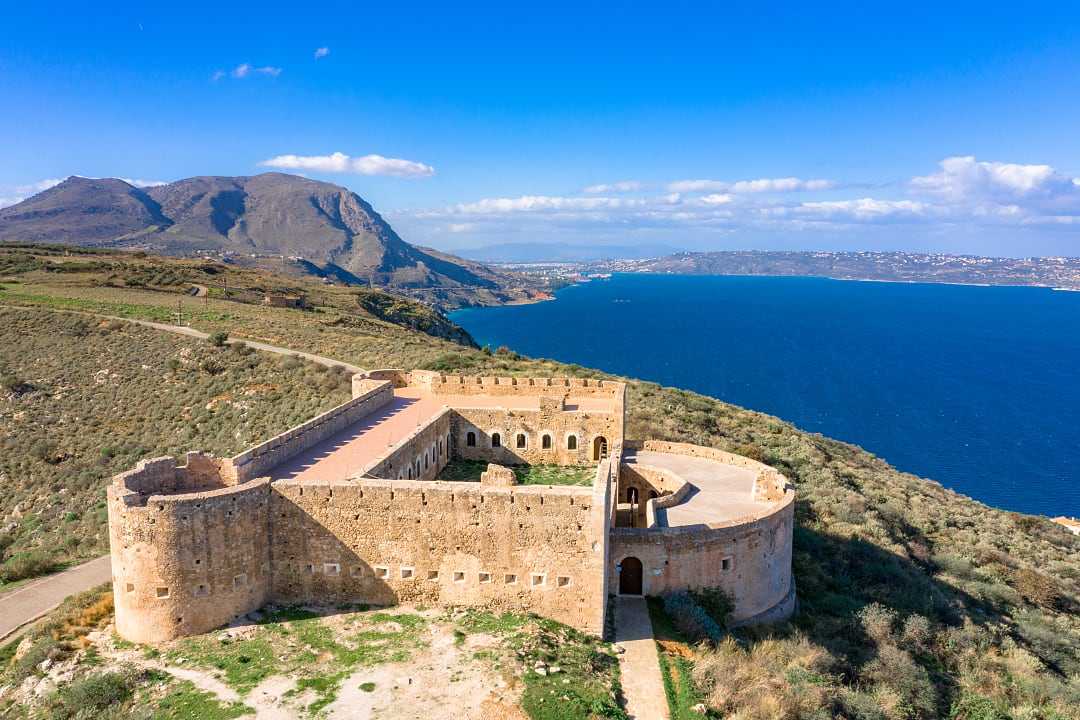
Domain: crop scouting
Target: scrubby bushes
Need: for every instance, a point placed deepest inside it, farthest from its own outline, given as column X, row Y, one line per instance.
column 113, row 398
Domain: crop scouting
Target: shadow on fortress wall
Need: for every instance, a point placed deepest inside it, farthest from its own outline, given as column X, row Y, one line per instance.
column 836, row 577
column 300, row 541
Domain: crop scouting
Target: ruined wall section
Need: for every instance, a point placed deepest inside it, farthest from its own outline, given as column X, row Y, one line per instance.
column 419, row 456
column 369, row 396
column 190, row 551
column 537, row 549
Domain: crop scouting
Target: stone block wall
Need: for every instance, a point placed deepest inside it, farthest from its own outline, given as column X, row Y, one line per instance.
column 186, row 562
column 536, row 549
column 558, row 425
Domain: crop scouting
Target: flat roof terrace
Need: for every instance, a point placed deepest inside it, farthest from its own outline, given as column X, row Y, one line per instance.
column 718, row 492
column 370, row 438
column 366, row 440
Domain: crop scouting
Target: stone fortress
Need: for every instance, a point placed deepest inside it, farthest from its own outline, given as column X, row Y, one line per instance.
column 346, row 508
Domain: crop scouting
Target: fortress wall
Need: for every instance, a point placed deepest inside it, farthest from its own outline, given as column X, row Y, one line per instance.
column 645, row 483
column 396, row 377
column 769, row 485
column 534, row 549
column 443, row 384
column 751, row 561
column 419, row 456
column 265, row 456
column 185, row 563
column 559, row 424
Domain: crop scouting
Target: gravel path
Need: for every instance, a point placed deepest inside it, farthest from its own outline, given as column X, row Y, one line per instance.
column 642, row 684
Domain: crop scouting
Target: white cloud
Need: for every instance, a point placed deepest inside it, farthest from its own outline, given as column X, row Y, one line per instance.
column 761, row 185
column 321, row 52
column 144, row 183
column 541, row 204
column 861, row 209
column 716, row 199
column 341, row 163
column 460, row 227
column 244, row 70
column 623, row 186
column 38, row 186
column 987, row 188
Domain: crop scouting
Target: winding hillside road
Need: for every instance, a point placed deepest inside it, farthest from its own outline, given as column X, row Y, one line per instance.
column 24, row 605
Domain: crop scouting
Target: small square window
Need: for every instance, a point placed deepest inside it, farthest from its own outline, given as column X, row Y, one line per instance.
column 309, row 569
column 201, row 591
column 240, row 580
column 562, row 581
column 510, row 579
column 725, row 564
column 407, row 573
column 198, row 562
column 382, row 572
column 162, row 592
column 537, row 580
column 485, row 577
column 130, row 587
column 459, row 577
column 331, row 568
column 357, row 571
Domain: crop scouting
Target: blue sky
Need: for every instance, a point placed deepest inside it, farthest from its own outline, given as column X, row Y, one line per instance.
column 816, row 126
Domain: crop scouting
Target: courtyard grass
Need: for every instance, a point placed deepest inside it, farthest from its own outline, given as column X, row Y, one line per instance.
column 459, row 470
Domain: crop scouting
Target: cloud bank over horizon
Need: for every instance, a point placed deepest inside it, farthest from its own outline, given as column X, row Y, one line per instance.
column 965, row 196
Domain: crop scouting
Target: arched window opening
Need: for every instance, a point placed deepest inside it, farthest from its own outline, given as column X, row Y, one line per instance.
column 571, row 442
column 652, row 494
column 545, row 442
column 496, row 440
column 470, row 439
column 631, row 495
column 600, row 448
column 521, row 441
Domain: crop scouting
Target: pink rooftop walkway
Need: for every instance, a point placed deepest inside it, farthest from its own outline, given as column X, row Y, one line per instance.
column 342, row 455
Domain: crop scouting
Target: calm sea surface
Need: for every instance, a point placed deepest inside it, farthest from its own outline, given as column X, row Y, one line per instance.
column 976, row 387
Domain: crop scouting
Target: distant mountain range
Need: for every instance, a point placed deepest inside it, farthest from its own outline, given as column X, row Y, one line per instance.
column 1058, row 272
column 328, row 229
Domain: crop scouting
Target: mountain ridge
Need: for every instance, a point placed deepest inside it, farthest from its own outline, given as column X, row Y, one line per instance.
column 249, row 216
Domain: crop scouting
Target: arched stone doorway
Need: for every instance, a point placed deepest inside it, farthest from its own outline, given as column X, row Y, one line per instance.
column 599, row 451
column 630, row 573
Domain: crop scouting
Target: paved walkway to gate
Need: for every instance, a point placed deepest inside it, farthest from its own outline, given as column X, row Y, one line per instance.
column 642, row 684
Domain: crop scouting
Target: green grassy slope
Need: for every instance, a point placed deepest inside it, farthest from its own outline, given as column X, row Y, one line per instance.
column 916, row 602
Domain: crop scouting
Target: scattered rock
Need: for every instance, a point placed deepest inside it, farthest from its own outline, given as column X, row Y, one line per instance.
column 700, row 708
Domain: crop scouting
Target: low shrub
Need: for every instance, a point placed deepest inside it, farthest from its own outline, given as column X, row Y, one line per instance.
column 691, row 620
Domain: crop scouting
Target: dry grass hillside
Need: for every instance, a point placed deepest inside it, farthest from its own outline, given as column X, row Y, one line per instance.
column 916, row 602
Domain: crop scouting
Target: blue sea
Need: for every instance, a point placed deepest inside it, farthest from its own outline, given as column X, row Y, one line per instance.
column 976, row 387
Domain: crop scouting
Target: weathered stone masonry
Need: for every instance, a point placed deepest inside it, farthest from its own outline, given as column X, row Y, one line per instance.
column 196, row 544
